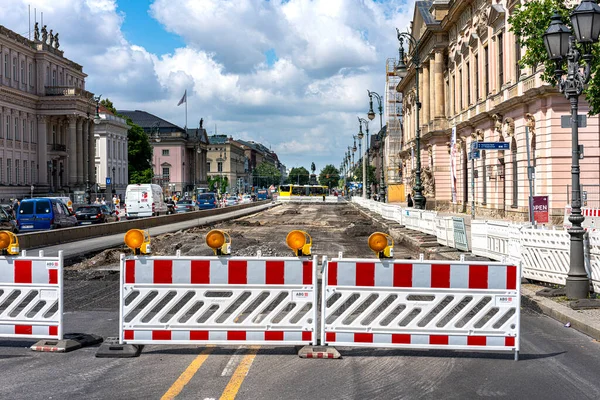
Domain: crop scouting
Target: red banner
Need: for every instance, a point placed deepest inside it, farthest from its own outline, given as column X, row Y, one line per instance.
column 540, row 209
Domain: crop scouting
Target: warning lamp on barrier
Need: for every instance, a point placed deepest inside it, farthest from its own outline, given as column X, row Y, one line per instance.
column 380, row 243
column 219, row 241
column 297, row 241
column 9, row 244
column 138, row 241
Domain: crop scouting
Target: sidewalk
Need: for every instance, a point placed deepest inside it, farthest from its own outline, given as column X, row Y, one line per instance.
column 585, row 321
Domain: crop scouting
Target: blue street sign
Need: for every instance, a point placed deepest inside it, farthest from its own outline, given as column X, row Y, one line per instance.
column 493, row 145
column 108, row 180
column 474, row 155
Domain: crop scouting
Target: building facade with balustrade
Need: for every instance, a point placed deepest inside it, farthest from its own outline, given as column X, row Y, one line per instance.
column 46, row 115
column 111, row 161
column 471, row 88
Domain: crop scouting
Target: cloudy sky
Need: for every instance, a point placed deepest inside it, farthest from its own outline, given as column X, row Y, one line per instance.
column 291, row 74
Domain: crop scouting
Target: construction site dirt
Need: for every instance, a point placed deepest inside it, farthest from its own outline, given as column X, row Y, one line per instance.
column 334, row 228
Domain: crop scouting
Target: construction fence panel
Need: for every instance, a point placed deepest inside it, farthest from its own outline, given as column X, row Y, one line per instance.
column 421, row 304
column 31, row 296
column 545, row 254
column 444, row 231
column 427, row 222
column 218, row 300
column 498, row 235
column 411, row 218
column 388, row 211
column 594, row 243
column 479, row 231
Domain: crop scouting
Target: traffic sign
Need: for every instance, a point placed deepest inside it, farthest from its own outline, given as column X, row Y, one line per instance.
column 493, row 145
column 108, row 180
column 474, row 155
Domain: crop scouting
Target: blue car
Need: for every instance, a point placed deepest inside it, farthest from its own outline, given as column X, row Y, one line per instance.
column 44, row 213
column 207, row 201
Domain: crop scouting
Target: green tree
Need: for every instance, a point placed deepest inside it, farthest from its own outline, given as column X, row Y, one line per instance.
column 266, row 174
column 357, row 174
column 529, row 22
column 298, row 176
column 109, row 105
column 139, row 154
column 218, row 184
column 329, row 176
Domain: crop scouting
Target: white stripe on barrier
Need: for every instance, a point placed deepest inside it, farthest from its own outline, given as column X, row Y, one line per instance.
column 31, row 296
column 218, row 300
column 409, row 304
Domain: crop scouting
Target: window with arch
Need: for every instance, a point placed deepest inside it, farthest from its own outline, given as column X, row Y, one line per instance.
column 515, row 176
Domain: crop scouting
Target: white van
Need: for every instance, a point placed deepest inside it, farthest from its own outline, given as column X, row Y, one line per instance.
column 144, row 200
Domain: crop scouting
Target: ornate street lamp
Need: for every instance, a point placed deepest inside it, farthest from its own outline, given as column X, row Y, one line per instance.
column 362, row 121
column 401, row 72
column 560, row 43
column 113, row 181
column 360, row 137
column 381, row 138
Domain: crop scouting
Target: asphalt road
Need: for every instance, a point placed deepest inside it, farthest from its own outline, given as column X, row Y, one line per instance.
column 555, row 362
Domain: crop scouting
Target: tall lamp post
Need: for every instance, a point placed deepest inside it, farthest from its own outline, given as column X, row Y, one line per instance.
column 362, row 121
column 88, row 192
column 560, row 44
column 113, row 181
column 360, row 136
column 371, row 116
column 401, row 71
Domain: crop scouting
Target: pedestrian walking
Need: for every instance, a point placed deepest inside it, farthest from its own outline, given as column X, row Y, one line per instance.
column 409, row 201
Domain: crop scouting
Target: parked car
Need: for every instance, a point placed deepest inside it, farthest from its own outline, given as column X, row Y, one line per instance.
column 230, row 201
column 94, row 214
column 43, row 213
column 7, row 221
column 185, row 206
column 144, row 200
column 246, row 199
column 207, row 201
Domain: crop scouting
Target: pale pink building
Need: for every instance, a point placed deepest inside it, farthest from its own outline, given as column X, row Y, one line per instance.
column 470, row 84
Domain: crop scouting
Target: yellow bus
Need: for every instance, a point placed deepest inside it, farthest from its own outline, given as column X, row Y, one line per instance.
column 302, row 190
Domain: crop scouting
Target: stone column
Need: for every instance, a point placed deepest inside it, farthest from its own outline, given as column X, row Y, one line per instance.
column 86, row 156
column 432, row 90
column 79, row 167
column 72, row 151
column 92, row 153
column 42, row 150
column 425, row 96
column 439, row 84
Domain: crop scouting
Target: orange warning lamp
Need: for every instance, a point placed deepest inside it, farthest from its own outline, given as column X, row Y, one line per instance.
column 138, row 241
column 219, row 241
column 380, row 243
column 297, row 241
column 9, row 244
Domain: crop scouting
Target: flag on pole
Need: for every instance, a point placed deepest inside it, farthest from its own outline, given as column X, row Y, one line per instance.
column 183, row 99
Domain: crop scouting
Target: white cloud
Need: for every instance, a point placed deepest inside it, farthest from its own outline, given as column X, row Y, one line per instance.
column 303, row 104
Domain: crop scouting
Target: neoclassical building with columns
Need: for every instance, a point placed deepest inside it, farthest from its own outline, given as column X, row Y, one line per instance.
column 47, row 119
column 472, row 89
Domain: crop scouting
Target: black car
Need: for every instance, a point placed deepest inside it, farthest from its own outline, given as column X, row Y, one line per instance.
column 94, row 214
column 8, row 222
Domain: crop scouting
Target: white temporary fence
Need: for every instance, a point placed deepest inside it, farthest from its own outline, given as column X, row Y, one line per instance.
column 444, row 231
column 594, row 246
column 31, row 296
column 218, row 300
column 427, row 222
column 308, row 199
column 545, row 254
column 421, row 304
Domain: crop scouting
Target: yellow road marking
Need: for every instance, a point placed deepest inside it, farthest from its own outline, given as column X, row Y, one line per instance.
column 239, row 375
column 187, row 375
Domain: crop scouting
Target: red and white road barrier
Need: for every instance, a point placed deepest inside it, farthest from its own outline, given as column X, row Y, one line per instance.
column 218, row 300
column 31, row 296
column 421, row 304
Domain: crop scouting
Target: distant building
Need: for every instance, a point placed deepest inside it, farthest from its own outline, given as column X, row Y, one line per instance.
column 111, row 154
column 226, row 158
column 46, row 120
column 179, row 156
